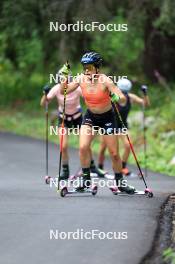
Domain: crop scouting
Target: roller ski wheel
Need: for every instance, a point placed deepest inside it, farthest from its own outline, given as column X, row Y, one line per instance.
column 47, row 179
column 63, row 192
column 94, row 190
column 114, row 190
column 148, row 193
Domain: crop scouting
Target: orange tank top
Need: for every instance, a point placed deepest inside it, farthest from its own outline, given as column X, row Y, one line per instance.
column 95, row 96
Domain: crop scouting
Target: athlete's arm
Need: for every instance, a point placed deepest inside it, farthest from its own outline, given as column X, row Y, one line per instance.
column 115, row 90
column 138, row 100
column 43, row 100
column 46, row 90
column 49, row 94
column 64, row 72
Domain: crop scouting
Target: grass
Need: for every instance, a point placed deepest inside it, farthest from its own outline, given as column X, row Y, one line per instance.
column 28, row 119
column 160, row 141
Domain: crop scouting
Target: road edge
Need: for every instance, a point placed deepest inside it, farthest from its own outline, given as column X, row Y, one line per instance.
column 164, row 236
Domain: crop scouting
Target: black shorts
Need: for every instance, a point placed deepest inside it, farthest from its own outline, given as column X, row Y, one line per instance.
column 69, row 122
column 106, row 121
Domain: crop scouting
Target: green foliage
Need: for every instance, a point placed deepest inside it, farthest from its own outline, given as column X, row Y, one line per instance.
column 166, row 20
column 121, row 50
column 15, row 89
column 147, row 45
column 169, row 255
column 30, row 54
column 160, row 146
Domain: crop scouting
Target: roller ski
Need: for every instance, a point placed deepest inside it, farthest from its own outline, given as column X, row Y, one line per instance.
column 65, row 172
column 122, row 188
column 147, row 192
column 84, row 186
column 65, row 190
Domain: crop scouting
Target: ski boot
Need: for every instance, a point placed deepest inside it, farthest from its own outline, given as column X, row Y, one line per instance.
column 100, row 166
column 85, row 181
column 65, row 172
column 122, row 185
column 96, row 170
column 84, row 185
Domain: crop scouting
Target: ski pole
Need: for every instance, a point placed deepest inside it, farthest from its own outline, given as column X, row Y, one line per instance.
column 131, row 147
column 145, row 143
column 47, row 152
column 62, row 129
column 46, row 90
column 144, row 89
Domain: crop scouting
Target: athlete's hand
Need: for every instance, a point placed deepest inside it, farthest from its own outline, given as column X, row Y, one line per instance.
column 65, row 70
column 144, row 89
column 115, row 98
column 46, row 89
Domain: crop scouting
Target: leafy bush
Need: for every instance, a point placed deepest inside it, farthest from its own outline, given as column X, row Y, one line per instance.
column 169, row 255
column 122, row 49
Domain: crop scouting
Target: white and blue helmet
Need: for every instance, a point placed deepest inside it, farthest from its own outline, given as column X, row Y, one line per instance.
column 92, row 58
column 124, row 85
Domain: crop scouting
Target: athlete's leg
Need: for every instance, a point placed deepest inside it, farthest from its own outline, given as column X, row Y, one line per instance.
column 111, row 141
column 101, row 156
column 94, row 169
column 65, row 157
column 86, row 138
column 126, row 152
column 125, row 155
column 113, row 147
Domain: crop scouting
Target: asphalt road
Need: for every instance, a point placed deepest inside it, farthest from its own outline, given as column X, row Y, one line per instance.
column 29, row 210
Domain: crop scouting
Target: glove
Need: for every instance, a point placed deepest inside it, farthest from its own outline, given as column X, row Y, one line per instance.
column 115, row 98
column 65, row 70
column 144, row 89
column 46, row 89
